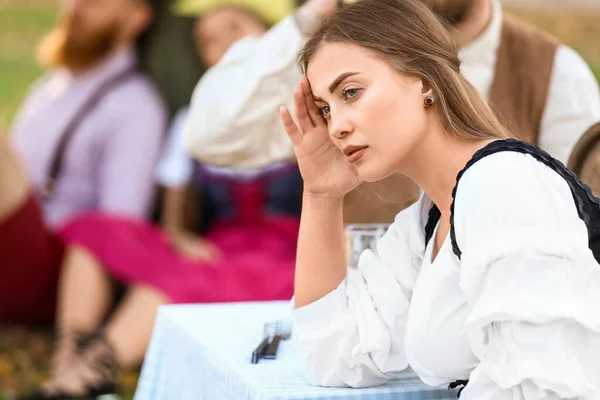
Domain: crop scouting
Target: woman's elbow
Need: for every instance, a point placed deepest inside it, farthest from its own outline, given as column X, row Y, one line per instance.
column 336, row 373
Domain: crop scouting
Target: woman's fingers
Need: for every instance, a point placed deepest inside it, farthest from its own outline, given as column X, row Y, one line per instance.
column 304, row 122
column 290, row 126
column 311, row 106
column 307, row 113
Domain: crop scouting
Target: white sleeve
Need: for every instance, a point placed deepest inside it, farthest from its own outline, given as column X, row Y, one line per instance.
column 354, row 336
column 572, row 107
column 532, row 284
column 234, row 116
column 175, row 168
column 34, row 97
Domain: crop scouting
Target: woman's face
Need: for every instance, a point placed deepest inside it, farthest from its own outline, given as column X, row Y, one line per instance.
column 218, row 29
column 367, row 103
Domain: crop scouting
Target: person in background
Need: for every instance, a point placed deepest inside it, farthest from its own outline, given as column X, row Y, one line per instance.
column 246, row 254
column 87, row 137
column 220, row 25
column 542, row 89
column 233, row 118
column 490, row 281
column 539, row 87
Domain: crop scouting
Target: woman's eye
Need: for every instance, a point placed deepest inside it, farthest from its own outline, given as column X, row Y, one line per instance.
column 324, row 111
column 350, row 93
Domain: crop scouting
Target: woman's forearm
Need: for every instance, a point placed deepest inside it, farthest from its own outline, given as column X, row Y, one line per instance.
column 321, row 257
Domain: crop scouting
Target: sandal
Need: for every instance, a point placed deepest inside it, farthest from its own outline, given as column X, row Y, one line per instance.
column 100, row 393
column 67, row 348
column 92, row 370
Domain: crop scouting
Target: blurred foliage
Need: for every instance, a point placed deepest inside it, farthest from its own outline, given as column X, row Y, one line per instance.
column 24, row 358
column 21, row 26
column 575, row 27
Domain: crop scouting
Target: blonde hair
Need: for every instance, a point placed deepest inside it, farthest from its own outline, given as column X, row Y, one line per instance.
column 407, row 35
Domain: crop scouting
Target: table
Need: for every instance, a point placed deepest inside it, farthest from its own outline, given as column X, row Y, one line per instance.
column 202, row 352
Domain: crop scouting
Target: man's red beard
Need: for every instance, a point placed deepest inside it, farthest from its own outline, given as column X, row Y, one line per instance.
column 72, row 45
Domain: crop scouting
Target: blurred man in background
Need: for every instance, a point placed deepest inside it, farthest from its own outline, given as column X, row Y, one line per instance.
column 542, row 89
column 87, row 136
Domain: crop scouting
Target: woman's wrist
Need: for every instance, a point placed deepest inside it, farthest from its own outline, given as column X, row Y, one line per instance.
column 322, row 199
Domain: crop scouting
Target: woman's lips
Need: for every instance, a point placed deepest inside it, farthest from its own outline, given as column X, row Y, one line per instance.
column 354, row 153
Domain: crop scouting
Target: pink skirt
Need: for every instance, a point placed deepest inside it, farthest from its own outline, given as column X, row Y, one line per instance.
column 257, row 260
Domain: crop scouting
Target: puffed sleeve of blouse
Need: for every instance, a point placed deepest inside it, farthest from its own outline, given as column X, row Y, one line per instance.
column 531, row 281
column 354, row 336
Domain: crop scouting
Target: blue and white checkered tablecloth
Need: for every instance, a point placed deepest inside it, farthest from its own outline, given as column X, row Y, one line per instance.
column 202, row 352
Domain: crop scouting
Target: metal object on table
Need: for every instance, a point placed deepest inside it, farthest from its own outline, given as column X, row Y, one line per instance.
column 279, row 327
column 271, row 352
column 259, row 351
column 585, row 159
column 273, row 333
column 360, row 237
column 109, row 397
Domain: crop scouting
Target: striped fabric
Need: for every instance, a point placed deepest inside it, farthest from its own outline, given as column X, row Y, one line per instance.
column 202, row 352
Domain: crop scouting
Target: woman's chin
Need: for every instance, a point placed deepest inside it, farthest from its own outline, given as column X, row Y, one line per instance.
column 373, row 173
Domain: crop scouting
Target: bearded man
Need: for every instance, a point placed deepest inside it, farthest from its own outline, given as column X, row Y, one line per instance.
column 539, row 87
column 86, row 138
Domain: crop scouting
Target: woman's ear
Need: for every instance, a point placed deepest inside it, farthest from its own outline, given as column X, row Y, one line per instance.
column 426, row 88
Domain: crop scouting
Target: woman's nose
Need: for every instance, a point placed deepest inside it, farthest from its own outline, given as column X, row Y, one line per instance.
column 340, row 127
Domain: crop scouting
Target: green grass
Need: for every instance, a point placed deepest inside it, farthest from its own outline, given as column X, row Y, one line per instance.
column 574, row 27
column 22, row 24
column 123, row 396
column 596, row 71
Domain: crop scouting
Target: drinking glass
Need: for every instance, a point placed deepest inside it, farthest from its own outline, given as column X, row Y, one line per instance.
column 360, row 237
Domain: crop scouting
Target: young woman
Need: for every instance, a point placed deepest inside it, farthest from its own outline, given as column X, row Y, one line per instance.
column 491, row 280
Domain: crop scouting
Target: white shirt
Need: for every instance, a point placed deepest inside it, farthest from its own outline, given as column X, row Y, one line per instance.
column 175, row 168
column 235, row 106
column 109, row 162
column 518, row 315
column 573, row 102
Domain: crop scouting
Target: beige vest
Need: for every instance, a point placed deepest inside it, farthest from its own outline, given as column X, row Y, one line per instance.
column 517, row 95
column 520, row 89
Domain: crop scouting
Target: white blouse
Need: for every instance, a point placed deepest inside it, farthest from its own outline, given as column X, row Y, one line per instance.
column 518, row 315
